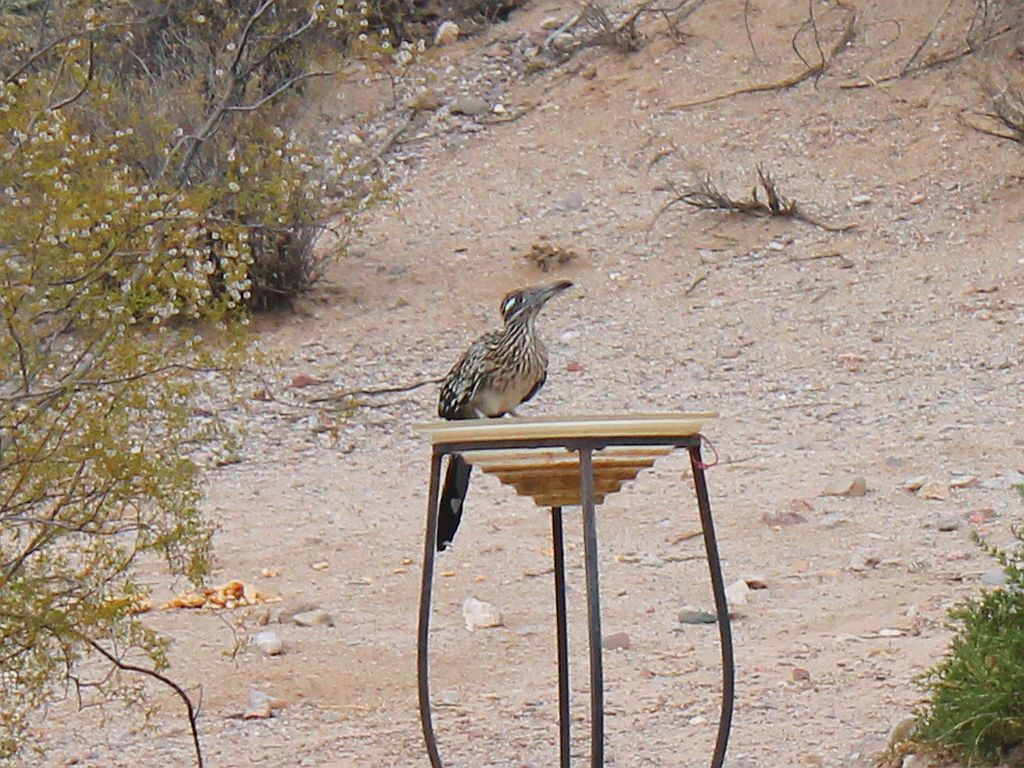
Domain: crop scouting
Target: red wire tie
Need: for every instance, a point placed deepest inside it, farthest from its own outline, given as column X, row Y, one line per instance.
column 709, row 444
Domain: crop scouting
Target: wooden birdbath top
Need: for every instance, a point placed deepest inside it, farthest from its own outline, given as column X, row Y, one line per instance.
column 551, row 474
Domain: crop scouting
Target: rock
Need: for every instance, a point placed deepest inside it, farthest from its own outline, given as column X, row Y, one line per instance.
column 851, row 485
column 917, row 199
column 915, row 483
column 260, row 706
column 563, row 42
column 935, row 490
column 426, row 100
column 791, row 514
column 963, row 481
column 912, row 761
column 948, row 523
column 861, row 199
column 446, row 34
column 756, row 582
column 317, row 617
column 536, row 64
column 737, row 593
column 551, row 22
column 782, row 519
column 693, row 616
column 301, row 380
column 268, row 642
column 289, row 611
column 697, row 720
column 799, row 674
column 469, row 105
column 995, row 578
column 615, row 641
column 572, row 202
column 861, row 561
column 980, row 516
column 479, row 614
column 832, row 520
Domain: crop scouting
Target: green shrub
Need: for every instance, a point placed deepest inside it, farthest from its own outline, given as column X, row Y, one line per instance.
column 975, row 702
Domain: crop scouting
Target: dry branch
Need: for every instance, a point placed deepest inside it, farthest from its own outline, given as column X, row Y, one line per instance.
column 702, row 192
column 189, row 706
column 812, row 70
column 338, row 397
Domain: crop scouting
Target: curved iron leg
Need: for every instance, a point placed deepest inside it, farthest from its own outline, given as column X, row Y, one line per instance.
column 422, row 657
column 718, row 587
column 561, row 626
column 593, row 609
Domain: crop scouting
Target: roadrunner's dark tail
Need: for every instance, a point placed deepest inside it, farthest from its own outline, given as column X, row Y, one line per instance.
column 453, row 495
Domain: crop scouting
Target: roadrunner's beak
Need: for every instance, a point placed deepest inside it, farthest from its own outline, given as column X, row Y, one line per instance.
column 554, row 289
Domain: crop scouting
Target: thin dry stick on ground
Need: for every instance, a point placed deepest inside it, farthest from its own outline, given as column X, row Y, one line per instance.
column 702, row 192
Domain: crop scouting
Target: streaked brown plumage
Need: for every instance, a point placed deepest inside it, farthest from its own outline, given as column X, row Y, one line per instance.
column 499, row 371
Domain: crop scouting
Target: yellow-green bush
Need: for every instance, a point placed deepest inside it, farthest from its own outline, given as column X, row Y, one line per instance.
column 151, row 187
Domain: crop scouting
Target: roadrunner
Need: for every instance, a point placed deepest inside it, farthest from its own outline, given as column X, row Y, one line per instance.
column 499, row 371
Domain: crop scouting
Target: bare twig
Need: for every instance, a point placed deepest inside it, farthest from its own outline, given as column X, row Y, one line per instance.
column 811, row 71
column 695, row 283
column 85, row 86
column 160, row 678
column 746, row 26
column 276, row 92
column 371, row 391
column 927, row 38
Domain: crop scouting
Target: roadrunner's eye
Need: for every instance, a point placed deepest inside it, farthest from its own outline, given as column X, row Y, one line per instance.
column 509, row 304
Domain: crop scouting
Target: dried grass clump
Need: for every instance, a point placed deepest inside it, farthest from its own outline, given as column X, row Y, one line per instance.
column 702, row 192
column 1004, row 117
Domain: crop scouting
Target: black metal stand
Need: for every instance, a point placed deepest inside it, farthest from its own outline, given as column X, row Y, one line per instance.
column 585, row 447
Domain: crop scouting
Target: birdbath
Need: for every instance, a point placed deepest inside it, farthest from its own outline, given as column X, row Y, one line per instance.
column 563, row 461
